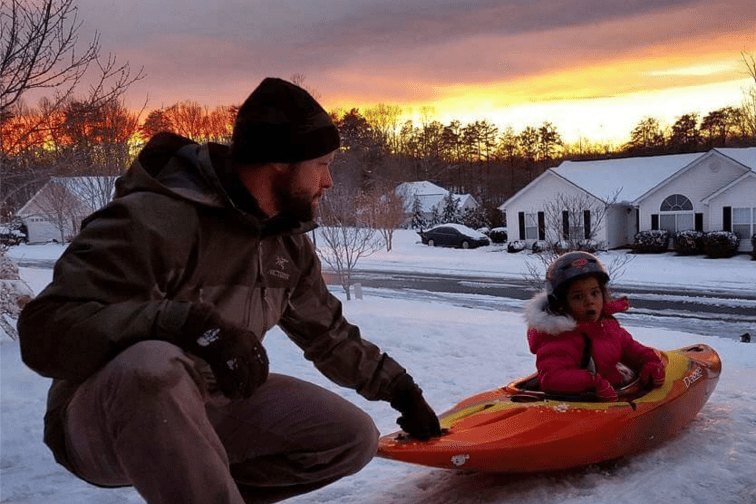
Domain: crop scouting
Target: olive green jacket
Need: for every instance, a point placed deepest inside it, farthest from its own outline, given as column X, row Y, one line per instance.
column 181, row 230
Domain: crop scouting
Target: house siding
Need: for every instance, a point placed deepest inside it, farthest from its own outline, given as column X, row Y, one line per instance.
column 534, row 199
column 742, row 195
column 697, row 182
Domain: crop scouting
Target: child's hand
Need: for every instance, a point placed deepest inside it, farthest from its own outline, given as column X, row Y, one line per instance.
column 652, row 373
column 604, row 391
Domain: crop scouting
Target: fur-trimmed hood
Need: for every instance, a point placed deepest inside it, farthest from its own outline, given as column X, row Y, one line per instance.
column 538, row 316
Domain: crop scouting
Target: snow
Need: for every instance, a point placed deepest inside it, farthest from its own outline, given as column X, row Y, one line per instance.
column 602, row 177
column 453, row 351
column 746, row 156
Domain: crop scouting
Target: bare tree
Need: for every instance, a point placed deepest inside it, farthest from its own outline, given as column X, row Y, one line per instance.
column 61, row 207
column 384, row 211
column 572, row 222
column 93, row 192
column 748, row 110
column 384, row 119
column 39, row 50
column 39, row 42
column 345, row 237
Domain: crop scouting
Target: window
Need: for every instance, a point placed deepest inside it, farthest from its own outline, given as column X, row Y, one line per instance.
column 531, row 226
column 744, row 222
column 676, row 203
column 677, row 214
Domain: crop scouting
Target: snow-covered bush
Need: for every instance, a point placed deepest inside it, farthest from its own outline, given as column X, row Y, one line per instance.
column 540, row 246
column 653, row 241
column 516, row 246
column 498, row 235
column 564, row 246
column 688, row 242
column 721, row 244
column 14, row 294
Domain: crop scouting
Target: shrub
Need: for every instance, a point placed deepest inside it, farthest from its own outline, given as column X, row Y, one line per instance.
column 651, row 242
column 516, row 246
column 498, row 235
column 564, row 246
column 753, row 247
column 721, row 244
column 688, row 242
column 540, row 246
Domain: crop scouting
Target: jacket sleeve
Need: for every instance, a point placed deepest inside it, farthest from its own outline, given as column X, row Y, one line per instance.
column 635, row 354
column 314, row 322
column 558, row 359
column 108, row 292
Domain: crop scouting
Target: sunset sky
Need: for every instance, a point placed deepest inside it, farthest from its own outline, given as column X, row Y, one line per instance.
column 593, row 68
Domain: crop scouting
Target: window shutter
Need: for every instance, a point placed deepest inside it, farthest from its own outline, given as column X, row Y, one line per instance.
column 521, row 217
column 541, row 226
column 699, row 222
column 727, row 218
column 654, row 222
column 565, row 225
column 587, row 223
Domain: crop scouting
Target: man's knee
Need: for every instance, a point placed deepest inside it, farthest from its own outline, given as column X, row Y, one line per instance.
column 151, row 366
column 361, row 436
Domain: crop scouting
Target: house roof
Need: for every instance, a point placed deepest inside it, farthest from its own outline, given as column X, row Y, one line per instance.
column 429, row 194
column 90, row 191
column 628, row 177
column 744, row 156
column 746, row 175
column 421, row 188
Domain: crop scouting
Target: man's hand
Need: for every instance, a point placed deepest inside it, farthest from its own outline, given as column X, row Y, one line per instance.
column 236, row 356
column 418, row 419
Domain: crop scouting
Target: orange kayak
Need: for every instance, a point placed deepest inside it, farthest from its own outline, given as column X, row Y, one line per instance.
column 514, row 429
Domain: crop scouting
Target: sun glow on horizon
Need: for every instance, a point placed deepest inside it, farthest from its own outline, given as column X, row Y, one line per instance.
column 601, row 104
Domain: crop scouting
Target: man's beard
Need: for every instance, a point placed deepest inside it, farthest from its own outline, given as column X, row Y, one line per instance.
column 295, row 204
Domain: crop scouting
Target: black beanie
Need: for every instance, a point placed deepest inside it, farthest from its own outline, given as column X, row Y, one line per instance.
column 281, row 123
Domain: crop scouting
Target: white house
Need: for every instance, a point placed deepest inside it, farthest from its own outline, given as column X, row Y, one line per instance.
column 55, row 212
column 709, row 191
column 431, row 198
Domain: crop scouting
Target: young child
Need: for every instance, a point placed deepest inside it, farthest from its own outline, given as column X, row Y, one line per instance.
column 577, row 342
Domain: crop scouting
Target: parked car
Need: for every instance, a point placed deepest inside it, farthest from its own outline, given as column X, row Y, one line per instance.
column 453, row 235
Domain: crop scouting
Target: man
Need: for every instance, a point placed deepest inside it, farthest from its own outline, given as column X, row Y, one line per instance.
column 152, row 327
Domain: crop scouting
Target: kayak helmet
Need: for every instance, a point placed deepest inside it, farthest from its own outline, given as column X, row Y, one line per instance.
column 570, row 266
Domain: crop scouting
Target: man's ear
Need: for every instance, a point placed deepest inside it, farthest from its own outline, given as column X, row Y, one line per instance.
column 279, row 167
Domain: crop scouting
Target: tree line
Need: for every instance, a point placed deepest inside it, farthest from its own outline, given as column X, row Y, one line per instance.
column 74, row 134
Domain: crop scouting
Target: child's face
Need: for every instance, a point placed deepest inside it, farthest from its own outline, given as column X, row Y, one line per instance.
column 585, row 299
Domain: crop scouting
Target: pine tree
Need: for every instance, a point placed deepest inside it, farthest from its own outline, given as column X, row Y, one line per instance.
column 418, row 220
column 451, row 212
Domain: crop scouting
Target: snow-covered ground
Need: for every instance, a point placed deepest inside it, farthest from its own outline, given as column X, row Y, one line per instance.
column 454, row 351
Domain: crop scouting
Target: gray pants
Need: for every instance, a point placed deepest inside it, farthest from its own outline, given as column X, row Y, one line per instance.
column 147, row 419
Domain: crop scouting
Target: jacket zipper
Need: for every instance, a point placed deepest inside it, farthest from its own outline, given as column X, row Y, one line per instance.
column 263, row 292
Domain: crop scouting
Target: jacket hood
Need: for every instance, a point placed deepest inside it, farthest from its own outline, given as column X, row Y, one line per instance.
column 173, row 165
column 538, row 316
column 179, row 167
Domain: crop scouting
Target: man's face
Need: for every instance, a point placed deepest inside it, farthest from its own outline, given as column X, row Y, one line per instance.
column 300, row 186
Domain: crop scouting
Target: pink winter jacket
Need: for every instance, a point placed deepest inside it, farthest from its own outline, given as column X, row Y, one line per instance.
column 559, row 345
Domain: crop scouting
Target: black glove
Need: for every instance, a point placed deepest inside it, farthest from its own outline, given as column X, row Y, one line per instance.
column 418, row 419
column 236, row 356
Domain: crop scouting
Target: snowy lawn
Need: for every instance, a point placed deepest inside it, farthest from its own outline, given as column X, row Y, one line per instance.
column 452, row 352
